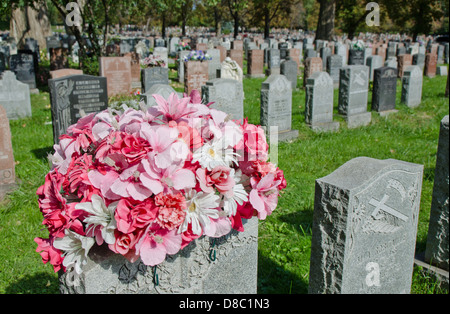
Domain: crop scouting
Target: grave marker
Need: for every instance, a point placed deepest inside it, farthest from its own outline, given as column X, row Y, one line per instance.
column 412, row 82
column 227, row 95
column 117, row 71
column 7, row 164
column 384, row 90
column 14, row 97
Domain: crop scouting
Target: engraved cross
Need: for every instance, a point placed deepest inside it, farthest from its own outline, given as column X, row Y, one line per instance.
column 381, row 205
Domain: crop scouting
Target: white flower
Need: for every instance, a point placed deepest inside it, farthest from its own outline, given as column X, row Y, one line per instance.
column 200, row 208
column 75, row 249
column 213, row 154
column 101, row 222
column 240, row 196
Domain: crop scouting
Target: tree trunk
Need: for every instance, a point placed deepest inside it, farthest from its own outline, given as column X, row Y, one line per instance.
column 163, row 27
column 325, row 25
column 236, row 26
column 266, row 24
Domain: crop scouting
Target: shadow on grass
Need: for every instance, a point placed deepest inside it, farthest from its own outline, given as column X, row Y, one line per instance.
column 42, row 153
column 41, row 283
column 273, row 279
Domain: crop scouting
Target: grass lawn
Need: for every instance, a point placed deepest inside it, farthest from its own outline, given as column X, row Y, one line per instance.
column 285, row 237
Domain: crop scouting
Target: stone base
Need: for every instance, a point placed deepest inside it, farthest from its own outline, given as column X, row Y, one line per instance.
column 269, row 72
column 387, row 112
column 357, row 120
column 441, row 275
column 286, row 135
column 325, row 127
column 193, row 270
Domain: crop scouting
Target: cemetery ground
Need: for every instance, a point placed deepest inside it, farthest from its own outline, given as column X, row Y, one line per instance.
column 285, row 237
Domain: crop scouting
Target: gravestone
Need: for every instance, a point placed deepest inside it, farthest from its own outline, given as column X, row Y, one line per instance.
column 22, row 64
column 227, row 95
column 255, row 64
column 373, row 62
column 289, row 69
column 296, row 55
column 384, row 90
column 419, row 59
column 312, row 65
column 190, row 271
column 342, row 51
column 442, row 70
column 325, row 52
column 72, row 97
column 135, row 69
column 353, row 93
column 160, row 89
column 214, row 63
column 391, row 62
column 238, row 56
column 319, row 102
column 438, row 231
column 355, row 57
column 7, row 164
column 117, row 71
column 412, row 86
column 14, row 97
column 404, row 61
column 154, row 75
column 274, row 61
column 364, row 228
column 276, row 107
column 430, row 64
column 196, row 75
column 163, row 54
column 181, row 65
column 334, row 64
column 65, row 72
column 2, row 62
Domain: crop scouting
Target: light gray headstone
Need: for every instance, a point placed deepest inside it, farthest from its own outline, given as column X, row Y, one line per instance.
column 214, row 63
column 227, row 95
column 412, row 86
column 153, row 76
column 14, row 96
column 162, row 52
column 190, row 271
column 353, row 93
column 364, row 228
column 374, row 62
column 289, row 69
column 438, row 231
column 159, row 89
column 319, row 102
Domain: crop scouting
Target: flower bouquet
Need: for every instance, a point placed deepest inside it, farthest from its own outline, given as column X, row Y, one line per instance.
column 358, row 45
column 152, row 61
column 182, row 46
column 148, row 182
column 197, row 55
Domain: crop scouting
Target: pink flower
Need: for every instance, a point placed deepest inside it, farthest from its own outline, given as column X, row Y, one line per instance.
column 156, row 243
column 49, row 253
column 264, row 195
column 174, row 108
column 218, row 227
column 219, row 178
column 131, row 215
column 254, row 142
column 125, row 244
column 171, row 213
column 187, row 134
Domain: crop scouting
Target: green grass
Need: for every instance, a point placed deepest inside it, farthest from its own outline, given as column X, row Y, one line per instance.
column 285, row 237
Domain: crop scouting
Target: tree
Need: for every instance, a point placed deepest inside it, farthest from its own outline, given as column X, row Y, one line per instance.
column 236, row 9
column 267, row 11
column 325, row 25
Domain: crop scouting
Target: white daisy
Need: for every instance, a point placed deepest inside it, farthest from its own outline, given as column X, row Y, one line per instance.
column 215, row 153
column 200, row 208
column 240, row 196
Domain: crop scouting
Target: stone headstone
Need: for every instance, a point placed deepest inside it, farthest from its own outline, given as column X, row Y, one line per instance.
column 356, row 57
column 436, row 252
column 312, row 65
column 412, row 86
column 7, row 164
column 296, row 55
column 384, row 89
column 135, row 69
column 419, row 59
column 238, row 56
column 391, row 62
column 404, row 61
column 319, row 102
column 364, row 228
column 289, row 69
column 196, row 75
column 190, row 271
column 117, row 71
column 430, row 64
column 163, row 54
column 276, row 107
column 255, row 64
column 14, row 97
column 334, row 65
column 274, row 61
column 342, row 51
column 353, row 93
column 181, row 65
column 325, row 52
column 214, row 63
column 227, row 95
column 22, row 65
column 153, row 76
column 373, row 62
column 442, row 70
column 72, row 97
column 65, row 72
column 159, row 89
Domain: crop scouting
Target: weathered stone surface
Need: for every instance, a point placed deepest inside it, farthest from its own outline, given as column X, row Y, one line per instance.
column 7, row 165
column 365, row 227
column 234, row 271
column 412, row 82
column 227, row 95
column 14, row 96
column 438, row 231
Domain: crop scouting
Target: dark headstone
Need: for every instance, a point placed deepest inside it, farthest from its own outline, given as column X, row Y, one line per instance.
column 384, row 89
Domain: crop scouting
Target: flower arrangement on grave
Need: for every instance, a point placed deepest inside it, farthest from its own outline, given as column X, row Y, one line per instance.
column 197, row 55
column 152, row 61
column 358, row 45
column 148, row 182
column 182, row 46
